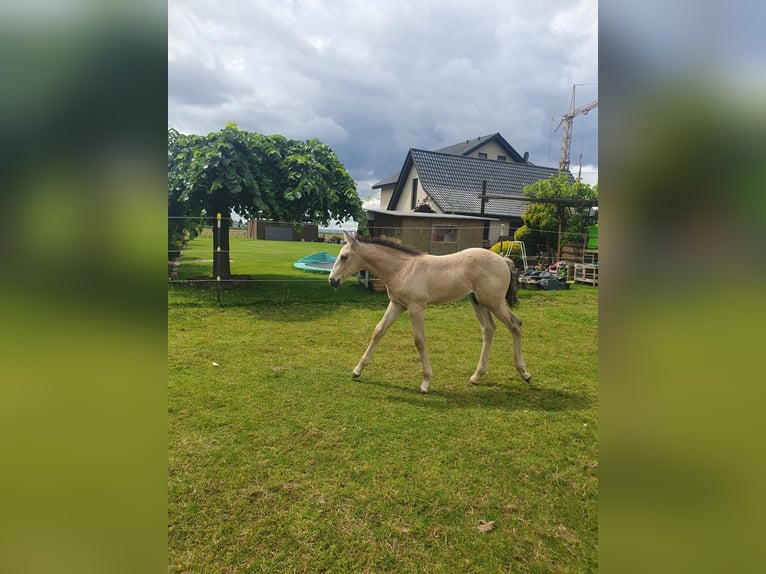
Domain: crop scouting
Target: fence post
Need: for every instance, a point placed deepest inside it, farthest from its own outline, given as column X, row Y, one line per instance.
column 217, row 257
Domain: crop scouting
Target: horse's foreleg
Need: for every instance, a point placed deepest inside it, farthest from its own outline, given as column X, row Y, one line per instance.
column 513, row 323
column 487, row 333
column 418, row 333
column 392, row 312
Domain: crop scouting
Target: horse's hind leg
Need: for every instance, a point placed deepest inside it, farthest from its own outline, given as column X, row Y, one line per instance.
column 487, row 332
column 392, row 312
column 513, row 323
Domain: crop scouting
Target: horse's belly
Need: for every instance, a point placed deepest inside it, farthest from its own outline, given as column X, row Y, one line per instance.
column 448, row 294
column 427, row 295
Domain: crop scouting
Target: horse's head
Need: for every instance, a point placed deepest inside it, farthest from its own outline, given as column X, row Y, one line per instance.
column 348, row 262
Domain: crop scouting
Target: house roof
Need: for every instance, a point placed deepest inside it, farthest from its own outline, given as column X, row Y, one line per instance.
column 465, row 148
column 389, row 179
column 373, row 211
column 462, row 148
column 454, row 182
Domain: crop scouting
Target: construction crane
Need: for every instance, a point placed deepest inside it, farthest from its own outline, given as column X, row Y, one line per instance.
column 566, row 135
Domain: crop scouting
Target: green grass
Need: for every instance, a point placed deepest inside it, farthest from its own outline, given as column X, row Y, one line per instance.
column 280, row 462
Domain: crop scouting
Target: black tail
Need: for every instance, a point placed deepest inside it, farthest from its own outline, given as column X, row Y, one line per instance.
column 513, row 286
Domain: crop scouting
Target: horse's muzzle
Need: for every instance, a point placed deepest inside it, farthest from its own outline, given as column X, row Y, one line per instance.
column 334, row 283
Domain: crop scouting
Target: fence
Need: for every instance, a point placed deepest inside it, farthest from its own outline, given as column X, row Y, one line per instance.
column 441, row 236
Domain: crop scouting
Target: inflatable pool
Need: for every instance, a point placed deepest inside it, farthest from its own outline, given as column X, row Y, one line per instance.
column 321, row 262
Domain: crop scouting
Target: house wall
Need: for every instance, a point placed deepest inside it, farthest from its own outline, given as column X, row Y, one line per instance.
column 495, row 231
column 386, row 192
column 405, row 200
column 492, row 149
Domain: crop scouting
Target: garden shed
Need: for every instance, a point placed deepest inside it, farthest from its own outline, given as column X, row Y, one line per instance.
column 281, row 231
column 434, row 233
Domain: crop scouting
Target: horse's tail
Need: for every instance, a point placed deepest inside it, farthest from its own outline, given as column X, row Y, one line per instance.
column 513, row 286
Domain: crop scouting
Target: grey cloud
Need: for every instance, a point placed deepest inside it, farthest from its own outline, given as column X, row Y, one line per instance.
column 191, row 83
column 374, row 79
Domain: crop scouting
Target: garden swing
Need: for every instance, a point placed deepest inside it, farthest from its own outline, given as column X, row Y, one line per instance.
column 511, row 245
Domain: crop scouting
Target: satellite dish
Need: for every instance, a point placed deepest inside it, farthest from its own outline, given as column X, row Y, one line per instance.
column 526, row 156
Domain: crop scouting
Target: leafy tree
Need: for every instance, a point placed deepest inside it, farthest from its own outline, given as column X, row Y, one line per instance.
column 539, row 228
column 257, row 176
column 562, row 211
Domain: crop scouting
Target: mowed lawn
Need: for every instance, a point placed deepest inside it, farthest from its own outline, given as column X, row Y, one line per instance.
column 280, row 462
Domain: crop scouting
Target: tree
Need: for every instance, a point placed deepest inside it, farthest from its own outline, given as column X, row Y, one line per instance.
column 182, row 225
column 257, row 176
column 540, row 224
column 561, row 207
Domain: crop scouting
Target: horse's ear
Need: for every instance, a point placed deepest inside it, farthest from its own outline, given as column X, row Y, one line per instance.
column 349, row 238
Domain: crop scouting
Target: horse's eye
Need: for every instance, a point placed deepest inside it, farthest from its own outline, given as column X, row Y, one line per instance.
column 343, row 257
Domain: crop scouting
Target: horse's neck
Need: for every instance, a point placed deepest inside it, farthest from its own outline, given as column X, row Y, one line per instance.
column 385, row 263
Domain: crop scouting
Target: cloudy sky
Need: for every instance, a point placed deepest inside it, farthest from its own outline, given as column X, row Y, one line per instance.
column 374, row 78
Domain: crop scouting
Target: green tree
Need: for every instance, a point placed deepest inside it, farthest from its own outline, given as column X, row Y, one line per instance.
column 182, row 224
column 539, row 228
column 561, row 211
column 257, row 176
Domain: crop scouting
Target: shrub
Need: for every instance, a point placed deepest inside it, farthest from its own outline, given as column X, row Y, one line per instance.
column 502, row 249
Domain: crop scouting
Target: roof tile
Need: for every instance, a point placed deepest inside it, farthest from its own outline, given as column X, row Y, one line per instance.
column 455, row 181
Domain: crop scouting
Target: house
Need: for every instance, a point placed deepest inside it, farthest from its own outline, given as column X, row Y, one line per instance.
column 449, row 181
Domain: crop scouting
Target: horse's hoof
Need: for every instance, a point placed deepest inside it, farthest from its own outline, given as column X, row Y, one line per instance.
column 422, row 392
column 527, row 378
column 471, row 382
column 356, row 375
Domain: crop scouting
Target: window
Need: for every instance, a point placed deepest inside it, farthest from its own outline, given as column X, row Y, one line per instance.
column 482, row 155
column 414, row 199
column 501, row 158
column 444, row 234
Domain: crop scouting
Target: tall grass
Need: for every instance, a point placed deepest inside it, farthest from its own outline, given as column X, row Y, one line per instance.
column 279, row 462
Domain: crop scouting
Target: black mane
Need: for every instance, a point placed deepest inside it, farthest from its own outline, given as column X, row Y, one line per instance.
column 389, row 244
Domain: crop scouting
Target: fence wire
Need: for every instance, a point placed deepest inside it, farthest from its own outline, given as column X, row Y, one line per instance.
column 200, row 255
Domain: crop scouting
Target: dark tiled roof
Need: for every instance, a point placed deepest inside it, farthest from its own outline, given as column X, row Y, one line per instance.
column 462, row 148
column 389, row 179
column 455, row 181
column 422, row 215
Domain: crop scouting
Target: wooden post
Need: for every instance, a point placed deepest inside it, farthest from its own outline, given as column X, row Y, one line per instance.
column 561, row 209
column 485, row 231
column 217, row 251
column 217, row 255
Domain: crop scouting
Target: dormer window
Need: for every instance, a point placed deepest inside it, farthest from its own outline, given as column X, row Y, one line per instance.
column 482, row 155
column 501, row 158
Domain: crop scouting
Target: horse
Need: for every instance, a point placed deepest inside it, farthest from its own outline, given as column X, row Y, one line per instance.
column 415, row 279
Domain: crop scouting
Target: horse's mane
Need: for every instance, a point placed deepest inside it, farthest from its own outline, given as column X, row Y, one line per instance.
column 389, row 244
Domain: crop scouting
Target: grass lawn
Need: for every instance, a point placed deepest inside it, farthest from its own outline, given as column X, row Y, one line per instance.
column 280, row 462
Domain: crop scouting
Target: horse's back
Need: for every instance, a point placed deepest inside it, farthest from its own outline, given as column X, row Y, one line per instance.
column 454, row 276
column 482, row 260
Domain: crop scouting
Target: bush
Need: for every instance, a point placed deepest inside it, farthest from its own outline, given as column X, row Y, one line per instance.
column 502, row 249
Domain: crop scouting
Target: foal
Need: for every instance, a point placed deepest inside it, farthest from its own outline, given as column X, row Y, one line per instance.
column 414, row 279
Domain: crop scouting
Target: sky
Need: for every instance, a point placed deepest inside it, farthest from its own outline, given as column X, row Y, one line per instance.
column 373, row 79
